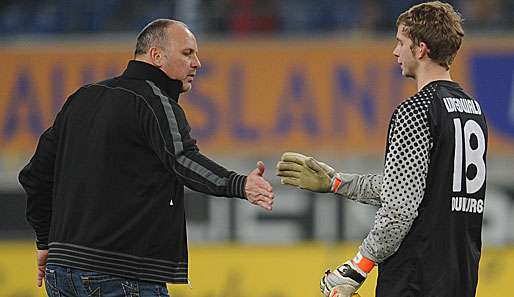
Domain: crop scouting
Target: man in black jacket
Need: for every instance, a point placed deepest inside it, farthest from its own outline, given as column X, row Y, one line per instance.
column 105, row 188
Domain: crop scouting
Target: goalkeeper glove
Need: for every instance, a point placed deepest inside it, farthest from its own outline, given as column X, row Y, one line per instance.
column 347, row 278
column 300, row 159
column 307, row 173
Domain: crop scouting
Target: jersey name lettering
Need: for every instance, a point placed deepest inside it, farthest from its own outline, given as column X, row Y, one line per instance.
column 464, row 204
column 462, row 105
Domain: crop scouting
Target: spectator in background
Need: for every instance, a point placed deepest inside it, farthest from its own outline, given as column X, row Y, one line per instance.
column 252, row 16
column 105, row 187
column 214, row 16
column 486, row 15
column 371, row 16
column 233, row 16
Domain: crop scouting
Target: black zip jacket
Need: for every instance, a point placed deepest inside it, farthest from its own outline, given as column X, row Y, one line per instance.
column 105, row 187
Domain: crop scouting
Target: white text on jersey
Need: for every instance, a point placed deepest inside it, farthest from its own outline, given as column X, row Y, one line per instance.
column 462, row 105
column 465, row 204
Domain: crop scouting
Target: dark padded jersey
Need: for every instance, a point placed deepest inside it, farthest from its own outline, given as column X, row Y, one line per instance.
column 426, row 237
column 427, row 232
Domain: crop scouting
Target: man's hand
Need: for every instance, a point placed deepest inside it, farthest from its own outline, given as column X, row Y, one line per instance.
column 42, row 256
column 305, row 172
column 342, row 282
column 258, row 191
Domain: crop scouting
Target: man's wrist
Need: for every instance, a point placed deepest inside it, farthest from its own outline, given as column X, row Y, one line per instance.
column 40, row 245
column 236, row 185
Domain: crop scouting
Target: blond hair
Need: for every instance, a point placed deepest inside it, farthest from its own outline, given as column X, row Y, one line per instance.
column 436, row 24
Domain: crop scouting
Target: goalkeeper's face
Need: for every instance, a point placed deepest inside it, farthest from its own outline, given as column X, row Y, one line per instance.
column 404, row 53
column 180, row 56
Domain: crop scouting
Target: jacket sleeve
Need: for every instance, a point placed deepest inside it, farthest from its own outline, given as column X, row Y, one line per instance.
column 167, row 132
column 37, row 179
column 202, row 174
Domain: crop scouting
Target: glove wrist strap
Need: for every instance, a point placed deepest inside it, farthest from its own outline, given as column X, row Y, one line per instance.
column 363, row 263
column 336, row 183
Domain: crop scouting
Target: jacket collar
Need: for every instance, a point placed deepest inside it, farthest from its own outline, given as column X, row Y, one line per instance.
column 145, row 71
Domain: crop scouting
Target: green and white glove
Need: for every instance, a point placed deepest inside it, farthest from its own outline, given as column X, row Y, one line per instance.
column 347, row 278
column 306, row 173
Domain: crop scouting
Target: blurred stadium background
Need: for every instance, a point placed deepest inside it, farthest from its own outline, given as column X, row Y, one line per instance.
column 316, row 77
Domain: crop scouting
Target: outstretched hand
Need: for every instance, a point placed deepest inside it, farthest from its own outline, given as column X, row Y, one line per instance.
column 259, row 191
column 305, row 172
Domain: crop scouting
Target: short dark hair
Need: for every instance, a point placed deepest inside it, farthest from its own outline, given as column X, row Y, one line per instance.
column 153, row 35
column 438, row 25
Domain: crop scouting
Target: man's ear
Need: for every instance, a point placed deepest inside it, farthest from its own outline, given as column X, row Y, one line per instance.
column 422, row 50
column 156, row 57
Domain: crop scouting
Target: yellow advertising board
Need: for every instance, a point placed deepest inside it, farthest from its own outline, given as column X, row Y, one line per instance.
column 254, row 271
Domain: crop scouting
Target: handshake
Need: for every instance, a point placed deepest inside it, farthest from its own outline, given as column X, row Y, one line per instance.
column 307, row 173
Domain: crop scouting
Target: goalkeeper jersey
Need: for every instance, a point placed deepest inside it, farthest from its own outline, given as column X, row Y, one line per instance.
column 427, row 231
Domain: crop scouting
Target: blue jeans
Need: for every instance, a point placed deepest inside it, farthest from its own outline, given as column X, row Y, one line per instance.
column 63, row 281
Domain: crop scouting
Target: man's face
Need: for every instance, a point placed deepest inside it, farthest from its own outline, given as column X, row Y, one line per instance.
column 404, row 53
column 180, row 56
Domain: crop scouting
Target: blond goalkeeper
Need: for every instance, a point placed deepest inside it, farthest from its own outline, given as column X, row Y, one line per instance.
column 426, row 238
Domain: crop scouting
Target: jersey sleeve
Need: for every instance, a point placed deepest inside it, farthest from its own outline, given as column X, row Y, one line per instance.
column 363, row 188
column 404, row 180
